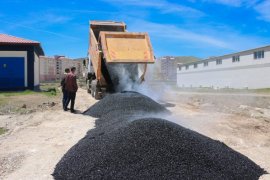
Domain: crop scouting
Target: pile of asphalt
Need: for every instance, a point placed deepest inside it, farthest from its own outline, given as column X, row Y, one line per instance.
column 128, row 144
column 125, row 103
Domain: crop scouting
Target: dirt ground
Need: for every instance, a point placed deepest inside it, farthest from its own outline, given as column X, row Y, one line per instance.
column 37, row 139
column 241, row 121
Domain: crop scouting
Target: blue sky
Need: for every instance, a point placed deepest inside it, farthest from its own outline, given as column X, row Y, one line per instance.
column 199, row 28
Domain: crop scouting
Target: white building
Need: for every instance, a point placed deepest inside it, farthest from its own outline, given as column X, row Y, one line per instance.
column 246, row 69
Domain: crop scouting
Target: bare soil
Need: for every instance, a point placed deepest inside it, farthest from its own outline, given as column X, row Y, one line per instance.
column 37, row 139
column 241, row 121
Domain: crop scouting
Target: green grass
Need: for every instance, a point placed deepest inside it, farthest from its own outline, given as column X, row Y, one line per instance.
column 45, row 86
column 16, row 93
column 265, row 90
column 49, row 92
column 3, row 130
column 50, row 89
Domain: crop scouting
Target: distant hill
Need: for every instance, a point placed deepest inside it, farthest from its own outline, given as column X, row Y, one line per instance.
column 79, row 59
column 186, row 59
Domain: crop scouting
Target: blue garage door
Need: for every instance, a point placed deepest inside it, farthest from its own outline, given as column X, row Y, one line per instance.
column 11, row 73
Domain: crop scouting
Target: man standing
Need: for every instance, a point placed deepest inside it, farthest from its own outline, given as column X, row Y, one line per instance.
column 63, row 85
column 71, row 88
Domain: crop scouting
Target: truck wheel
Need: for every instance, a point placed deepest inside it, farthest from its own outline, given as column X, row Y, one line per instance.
column 88, row 85
column 93, row 93
column 93, row 88
column 98, row 93
column 96, row 90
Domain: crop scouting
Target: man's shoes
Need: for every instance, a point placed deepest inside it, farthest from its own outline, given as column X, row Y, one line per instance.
column 66, row 109
column 72, row 111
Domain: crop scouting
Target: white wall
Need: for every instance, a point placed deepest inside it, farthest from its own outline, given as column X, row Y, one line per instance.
column 17, row 54
column 248, row 73
column 36, row 70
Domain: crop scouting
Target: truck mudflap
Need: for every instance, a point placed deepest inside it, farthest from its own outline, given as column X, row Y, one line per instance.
column 125, row 47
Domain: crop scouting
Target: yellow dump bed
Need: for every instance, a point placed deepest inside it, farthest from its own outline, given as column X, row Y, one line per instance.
column 116, row 55
column 125, row 47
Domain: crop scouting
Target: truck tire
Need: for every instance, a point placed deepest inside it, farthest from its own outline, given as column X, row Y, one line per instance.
column 93, row 93
column 88, row 85
column 95, row 90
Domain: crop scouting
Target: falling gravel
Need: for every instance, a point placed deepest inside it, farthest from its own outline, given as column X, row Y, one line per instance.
column 128, row 143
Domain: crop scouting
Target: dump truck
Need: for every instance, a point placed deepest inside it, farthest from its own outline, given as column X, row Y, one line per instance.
column 117, row 58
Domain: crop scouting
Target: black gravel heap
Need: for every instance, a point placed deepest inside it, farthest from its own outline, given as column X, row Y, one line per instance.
column 125, row 102
column 127, row 144
column 153, row 149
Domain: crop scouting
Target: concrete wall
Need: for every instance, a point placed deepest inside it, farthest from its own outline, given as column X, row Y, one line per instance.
column 18, row 54
column 36, row 70
column 47, row 69
column 248, row 73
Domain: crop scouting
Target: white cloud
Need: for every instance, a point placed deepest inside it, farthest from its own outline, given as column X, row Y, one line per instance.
column 234, row 3
column 163, row 5
column 174, row 32
column 45, row 18
column 261, row 7
column 202, row 38
column 228, row 2
column 13, row 25
column 54, row 19
column 264, row 10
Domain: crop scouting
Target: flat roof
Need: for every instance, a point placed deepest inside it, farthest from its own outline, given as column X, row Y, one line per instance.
column 214, row 58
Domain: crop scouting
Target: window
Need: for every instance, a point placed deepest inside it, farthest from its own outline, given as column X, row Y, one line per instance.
column 259, row 55
column 255, row 55
column 236, row 59
column 187, row 66
column 219, row 61
column 195, row 66
column 205, row 64
column 180, row 68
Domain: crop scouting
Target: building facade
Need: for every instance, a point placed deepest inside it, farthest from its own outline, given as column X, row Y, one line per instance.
column 53, row 68
column 247, row 69
column 47, row 69
column 167, row 64
column 19, row 63
column 168, row 71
